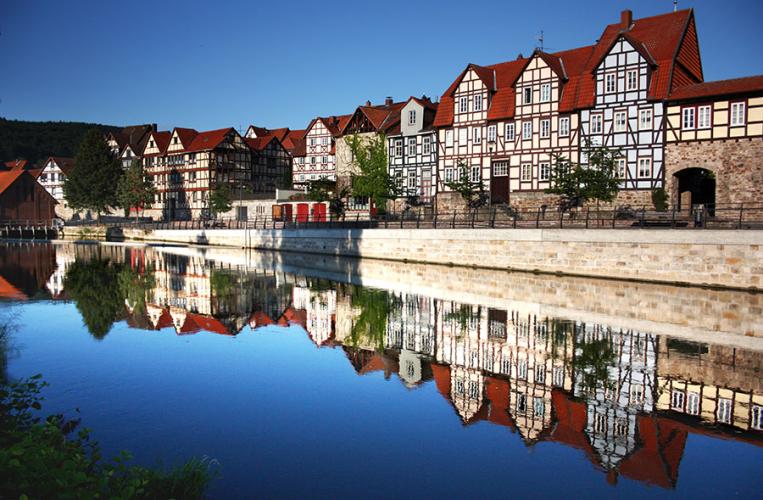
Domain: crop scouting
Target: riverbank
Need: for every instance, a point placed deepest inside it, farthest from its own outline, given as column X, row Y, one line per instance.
column 710, row 258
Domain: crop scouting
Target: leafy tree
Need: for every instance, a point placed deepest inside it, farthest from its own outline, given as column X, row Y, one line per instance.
column 577, row 185
column 370, row 325
column 135, row 287
column 94, row 286
column 92, row 183
column 220, row 199
column 135, row 189
column 593, row 357
column 473, row 193
column 660, row 199
column 327, row 190
column 369, row 157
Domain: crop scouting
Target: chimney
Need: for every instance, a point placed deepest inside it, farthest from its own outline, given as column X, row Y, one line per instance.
column 626, row 19
column 388, row 101
column 520, row 56
column 368, row 103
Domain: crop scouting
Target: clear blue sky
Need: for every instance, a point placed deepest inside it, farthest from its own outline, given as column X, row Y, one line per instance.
column 205, row 64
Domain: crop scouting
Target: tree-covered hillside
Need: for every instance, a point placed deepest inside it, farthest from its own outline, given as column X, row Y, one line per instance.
column 35, row 141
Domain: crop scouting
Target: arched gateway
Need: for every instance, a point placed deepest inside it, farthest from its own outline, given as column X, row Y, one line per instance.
column 694, row 186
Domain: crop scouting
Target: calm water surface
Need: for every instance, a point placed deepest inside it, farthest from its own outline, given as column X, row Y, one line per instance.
column 305, row 376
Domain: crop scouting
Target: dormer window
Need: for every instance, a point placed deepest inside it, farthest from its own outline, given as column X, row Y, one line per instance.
column 478, row 103
column 527, row 95
column 545, row 92
column 412, row 117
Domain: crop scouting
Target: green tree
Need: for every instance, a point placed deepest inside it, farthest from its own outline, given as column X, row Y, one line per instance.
column 473, row 193
column 577, row 185
column 327, row 190
column 135, row 189
column 660, row 199
column 220, row 199
column 92, row 182
column 372, row 180
column 135, row 287
column 94, row 287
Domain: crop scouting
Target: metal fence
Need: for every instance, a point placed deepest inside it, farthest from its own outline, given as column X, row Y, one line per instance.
column 737, row 216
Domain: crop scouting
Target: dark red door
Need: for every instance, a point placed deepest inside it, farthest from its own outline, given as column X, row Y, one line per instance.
column 303, row 212
column 319, row 212
column 499, row 189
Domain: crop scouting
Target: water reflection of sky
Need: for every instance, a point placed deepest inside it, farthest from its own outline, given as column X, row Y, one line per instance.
column 284, row 417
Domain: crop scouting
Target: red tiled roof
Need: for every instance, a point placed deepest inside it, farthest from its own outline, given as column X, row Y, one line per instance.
column 258, row 319
column 748, row 85
column 162, row 141
column 65, row 164
column 8, row 177
column 209, row 140
column 8, row 291
column 260, row 143
column 186, row 135
column 208, row 323
column 382, row 117
column 16, row 165
column 295, row 143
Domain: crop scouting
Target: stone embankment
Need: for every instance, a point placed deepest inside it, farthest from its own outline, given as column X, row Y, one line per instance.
column 716, row 258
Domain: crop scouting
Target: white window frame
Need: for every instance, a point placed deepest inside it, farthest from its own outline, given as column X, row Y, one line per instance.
column 544, row 171
column 597, row 123
column 527, row 130
column 478, row 102
column 477, row 135
column 527, row 95
column 644, row 173
column 426, row 145
column 509, row 133
column 412, row 142
column 449, row 174
column 545, row 128
column 645, row 119
column 526, row 172
column 449, row 138
column 610, row 78
column 621, row 126
column 621, row 168
column 412, row 117
column 545, row 92
column 463, row 104
column 737, row 111
column 631, row 79
column 564, row 126
column 704, row 117
column 492, row 131
column 475, row 173
column 725, row 411
column 463, row 136
column 688, row 118
column 398, row 148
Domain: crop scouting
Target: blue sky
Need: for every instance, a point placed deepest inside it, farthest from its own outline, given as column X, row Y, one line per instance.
column 206, row 65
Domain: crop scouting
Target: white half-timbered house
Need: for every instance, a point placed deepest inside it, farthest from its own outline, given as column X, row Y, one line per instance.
column 413, row 149
column 53, row 174
column 320, row 151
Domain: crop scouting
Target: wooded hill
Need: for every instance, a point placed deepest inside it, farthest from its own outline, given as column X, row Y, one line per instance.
column 35, row 141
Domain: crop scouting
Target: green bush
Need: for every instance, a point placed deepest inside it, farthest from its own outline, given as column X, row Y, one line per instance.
column 660, row 199
column 46, row 458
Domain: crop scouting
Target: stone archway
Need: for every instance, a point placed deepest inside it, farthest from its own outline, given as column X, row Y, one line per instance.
column 694, row 186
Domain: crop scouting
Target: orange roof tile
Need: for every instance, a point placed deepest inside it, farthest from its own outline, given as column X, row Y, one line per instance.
column 748, row 85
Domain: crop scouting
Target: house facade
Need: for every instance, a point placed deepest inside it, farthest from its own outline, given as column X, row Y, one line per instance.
column 53, row 174
column 22, row 198
column 413, row 150
column 271, row 165
column 714, row 151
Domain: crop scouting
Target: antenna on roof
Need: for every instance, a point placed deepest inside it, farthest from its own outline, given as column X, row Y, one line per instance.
column 540, row 41
column 675, row 5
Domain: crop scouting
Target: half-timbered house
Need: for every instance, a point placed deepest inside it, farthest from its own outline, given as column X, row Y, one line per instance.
column 413, row 149
column 271, row 165
column 635, row 65
column 714, row 151
column 128, row 143
column 320, row 150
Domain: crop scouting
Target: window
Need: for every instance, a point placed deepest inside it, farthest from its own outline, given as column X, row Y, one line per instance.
column 462, row 133
column 757, row 417
column 692, row 408
column 449, row 174
column 313, row 160
column 610, row 83
column 538, row 407
column 677, row 400
column 509, row 132
column 521, row 403
column 644, row 167
column 557, row 377
column 522, row 369
column 500, row 169
column 527, row 95
column 491, row 133
column 477, row 135
column 398, row 148
column 703, row 117
column 325, row 159
column 312, row 141
column 545, row 171
column 448, row 138
column 411, row 180
column 527, row 172
column 411, row 146
column 545, row 92
column 564, row 126
column 621, row 168
column 620, row 121
column 637, row 393
column 688, row 118
column 545, row 128
column 737, row 114
column 427, row 145
column 478, row 102
column 463, row 105
column 724, row 411
column 324, row 141
column 474, row 175
column 412, row 117
column 632, row 80
column 645, row 119
column 527, row 130
column 540, row 374
column 596, row 124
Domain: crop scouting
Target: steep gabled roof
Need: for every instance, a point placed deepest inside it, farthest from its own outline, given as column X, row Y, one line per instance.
column 162, row 141
column 260, row 143
column 295, row 143
column 210, row 139
column 381, row 117
column 186, row 135
column 65, row 164
column 736, row 86
column 9, row 177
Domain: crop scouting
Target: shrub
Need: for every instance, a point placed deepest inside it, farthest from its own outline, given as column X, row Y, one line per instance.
column 660, row 199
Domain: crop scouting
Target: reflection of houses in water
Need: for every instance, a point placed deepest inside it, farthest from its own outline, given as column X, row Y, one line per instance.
column 25, row 269
column 65, row 257
column 623, row 390
column 410, row 331
column 319, row 306
column 710, row 384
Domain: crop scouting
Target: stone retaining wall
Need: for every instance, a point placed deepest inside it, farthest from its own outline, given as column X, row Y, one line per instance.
column 699, row 257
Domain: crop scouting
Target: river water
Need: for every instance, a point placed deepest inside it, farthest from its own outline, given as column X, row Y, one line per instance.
column 308, row 376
